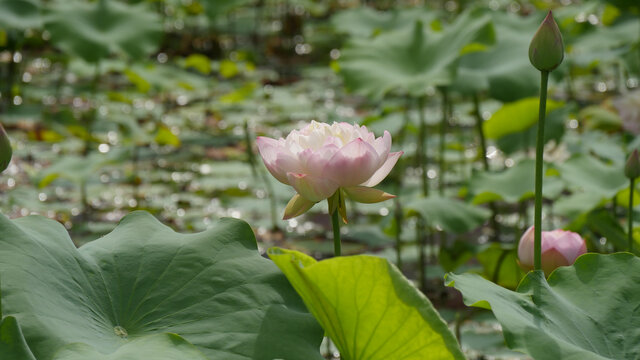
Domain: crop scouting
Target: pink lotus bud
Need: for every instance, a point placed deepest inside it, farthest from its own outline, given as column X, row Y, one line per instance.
column 559, row 248
column 319, row 159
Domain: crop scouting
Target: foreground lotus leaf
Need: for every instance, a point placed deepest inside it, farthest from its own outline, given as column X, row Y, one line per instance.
column 213, row 289
column 586, row 311
column 156, row 347
column 12, row 342
column 368, row 308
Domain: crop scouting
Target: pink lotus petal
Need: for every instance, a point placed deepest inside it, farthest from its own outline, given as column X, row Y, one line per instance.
column 353, row 164
column 383, row 145
column 384, row 170
column 277, row 158
column 314, row 162
column 269, row 149
column 311, row 187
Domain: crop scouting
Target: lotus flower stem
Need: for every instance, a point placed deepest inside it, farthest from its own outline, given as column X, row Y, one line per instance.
column 483, row 141
column 12, row 70
column 398, row 218
column 259, row 172
column 630, row 221
column 422, row 148
column 485, row 163
column 399, row 169
column 443, row 132
column 91, row 118
column 422, row 261
column 335, row 222
column 537, row 218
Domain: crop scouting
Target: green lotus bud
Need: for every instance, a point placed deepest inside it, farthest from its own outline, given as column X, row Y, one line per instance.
column 632, row 169
column 546, row 50
column 5, row 149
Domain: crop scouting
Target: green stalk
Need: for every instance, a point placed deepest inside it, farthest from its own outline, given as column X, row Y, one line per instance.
column 443, row 132
column 632, row 182
column 259, row 172
column 398, row 218
column 483, row 141
column 421, row 156
column 485, row 163
column 399, row 170
column 335, row 222
column 537, row 220
column 422, row 261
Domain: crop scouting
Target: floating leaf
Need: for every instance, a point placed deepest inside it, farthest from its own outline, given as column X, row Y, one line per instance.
column 199, row 62
column 586, row 173
column 411, row 59
column 212, row 288
column 72, row 167
column 501, row 69
column 500, row 265
column 93, row 31
column 585, row 311
column 512, row 185
column 165, row 136
column 141, row 84
column 364, row 21
column 452, row 215
column 19, row 14
column 368, row 308
column 515, row 117
column 228, row 69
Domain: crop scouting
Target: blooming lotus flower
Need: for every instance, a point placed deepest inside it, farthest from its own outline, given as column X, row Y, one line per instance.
column 559, row 248
column 322, row 161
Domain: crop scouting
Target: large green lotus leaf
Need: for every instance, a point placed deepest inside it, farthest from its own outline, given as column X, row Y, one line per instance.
column 365, row 21
column 554, row 129
column 156, row 347
column 604, row 43
column 93, row 31
column 12, row 343
column 452, row 215
column 212, row 288
column 586, row 173
column 586, row 311
column 217, row 8
column 368, row 308
column 19, row 14
column 503, row 70
column 512, row 185
column 515, row 117
column 577, row 204
column 411, row 59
